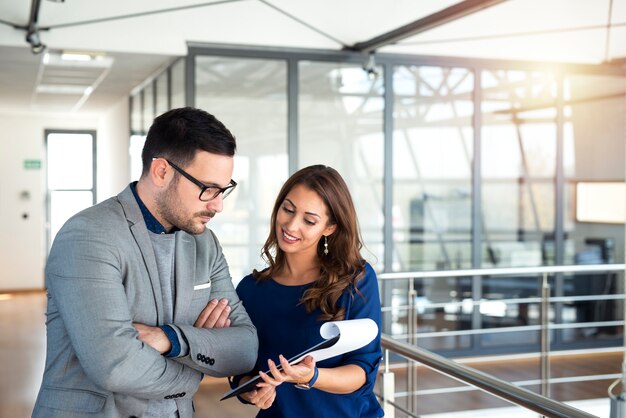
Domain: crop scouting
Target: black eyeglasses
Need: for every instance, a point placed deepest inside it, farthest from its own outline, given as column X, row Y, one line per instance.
column 206, row 192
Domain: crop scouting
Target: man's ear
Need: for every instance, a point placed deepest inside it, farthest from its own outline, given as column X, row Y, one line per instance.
column 158, row 172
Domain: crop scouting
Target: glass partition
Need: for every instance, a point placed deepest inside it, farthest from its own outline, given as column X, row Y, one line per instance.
column 249, row 97
column 162, row 94
column 341, row 125
column 177, row 78
column 148, row 106
column 540, row 136
column 136, row 125
column 518, row 168
column 432, row 166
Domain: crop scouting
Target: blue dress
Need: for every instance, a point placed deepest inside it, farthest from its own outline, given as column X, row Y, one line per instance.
column 284, row 327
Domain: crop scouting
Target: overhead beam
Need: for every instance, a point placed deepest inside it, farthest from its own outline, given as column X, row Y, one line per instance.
column 34, row 15
column 424, row 24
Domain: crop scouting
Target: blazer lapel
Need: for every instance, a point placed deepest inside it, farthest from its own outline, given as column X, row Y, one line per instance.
column 185, row 270
column 140, row 233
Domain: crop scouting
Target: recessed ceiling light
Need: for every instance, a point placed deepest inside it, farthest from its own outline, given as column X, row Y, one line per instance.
column 62, row 89
column 72, row 56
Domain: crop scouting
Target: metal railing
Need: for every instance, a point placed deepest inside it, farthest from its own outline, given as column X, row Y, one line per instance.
column 505, row 390
column 508, row 391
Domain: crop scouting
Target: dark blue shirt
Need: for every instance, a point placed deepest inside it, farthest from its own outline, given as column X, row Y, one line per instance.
column 284, row 327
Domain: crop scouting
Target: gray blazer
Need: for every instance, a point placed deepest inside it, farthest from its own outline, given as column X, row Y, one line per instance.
column 101, row 277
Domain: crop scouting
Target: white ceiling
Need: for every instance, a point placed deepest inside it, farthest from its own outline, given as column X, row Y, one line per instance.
column 142, row 36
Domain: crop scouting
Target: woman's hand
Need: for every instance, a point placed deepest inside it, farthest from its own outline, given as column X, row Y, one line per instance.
column 296, row 373
column 262, row 396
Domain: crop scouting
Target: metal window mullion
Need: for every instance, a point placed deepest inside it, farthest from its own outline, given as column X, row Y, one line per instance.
column 169, row 86
column 388, row 246
column 292, row 114
column 388, row 126
column 477, row 226
column 155, row 94
column 141, row 113
column 559, row 205
column 190, row 79
column 559, row 181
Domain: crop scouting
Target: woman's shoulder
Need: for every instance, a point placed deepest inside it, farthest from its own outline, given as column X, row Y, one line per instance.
column 251, row 281
column 366, row 279
column 368, row 272
column 246, row 283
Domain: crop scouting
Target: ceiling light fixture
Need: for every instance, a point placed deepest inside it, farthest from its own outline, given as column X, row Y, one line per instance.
column 74, row 56
column 32, row 37
column 370, row 67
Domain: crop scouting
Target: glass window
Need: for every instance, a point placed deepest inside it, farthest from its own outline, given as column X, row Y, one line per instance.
column 65, row 204
column 178, row 84
column 70, row 175
column 162, row 100
column 249, row 97
column 595, row 118
column 136, row 165
column 77, row 148
column 341, row 125
column 518, row 168
column 135, row 113
column 148, row 107
column 432, row 168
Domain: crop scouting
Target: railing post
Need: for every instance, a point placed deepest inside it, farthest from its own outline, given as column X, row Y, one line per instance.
column 412, row 331
column 389, row 389
column 545, row 336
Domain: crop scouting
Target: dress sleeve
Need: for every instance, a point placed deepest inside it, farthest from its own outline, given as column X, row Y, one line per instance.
column 365, row 304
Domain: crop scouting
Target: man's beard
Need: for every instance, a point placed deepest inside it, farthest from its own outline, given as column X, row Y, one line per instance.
column 171, row 209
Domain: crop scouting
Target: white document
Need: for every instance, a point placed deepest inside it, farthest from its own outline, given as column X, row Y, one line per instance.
column 353, row 334
column 339, row 337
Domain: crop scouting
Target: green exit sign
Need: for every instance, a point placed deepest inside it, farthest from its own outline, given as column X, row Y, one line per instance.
column 32, row 164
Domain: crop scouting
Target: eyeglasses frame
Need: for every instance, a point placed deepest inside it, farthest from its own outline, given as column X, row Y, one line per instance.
column 224, row 191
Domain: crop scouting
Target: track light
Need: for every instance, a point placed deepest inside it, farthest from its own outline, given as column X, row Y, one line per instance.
column 32, row 37
column 370, row 67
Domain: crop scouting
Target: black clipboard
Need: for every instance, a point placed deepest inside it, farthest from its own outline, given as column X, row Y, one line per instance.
column 250, row 384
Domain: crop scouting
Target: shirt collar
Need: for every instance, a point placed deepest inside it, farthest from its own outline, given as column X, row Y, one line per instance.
column 151, row 222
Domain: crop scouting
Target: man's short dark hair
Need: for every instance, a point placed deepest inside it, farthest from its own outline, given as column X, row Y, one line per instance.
column 179, row 133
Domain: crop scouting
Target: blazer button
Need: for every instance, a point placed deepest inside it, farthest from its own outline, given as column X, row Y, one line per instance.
column 183, row 394
column 168, row 397
column 211, row 361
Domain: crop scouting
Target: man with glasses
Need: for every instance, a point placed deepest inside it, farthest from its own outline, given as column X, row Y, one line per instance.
column 140, row 300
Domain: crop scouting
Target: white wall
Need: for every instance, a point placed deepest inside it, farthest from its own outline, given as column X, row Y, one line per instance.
column 23, row 243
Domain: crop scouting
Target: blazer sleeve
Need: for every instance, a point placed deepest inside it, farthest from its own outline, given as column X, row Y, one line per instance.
column 221, row 352
column 84, row 276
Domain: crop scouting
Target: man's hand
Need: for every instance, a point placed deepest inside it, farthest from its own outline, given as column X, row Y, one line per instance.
column 214, row 315
column 154, row 337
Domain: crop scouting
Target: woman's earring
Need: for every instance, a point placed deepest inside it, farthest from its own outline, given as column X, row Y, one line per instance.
column 325, row 245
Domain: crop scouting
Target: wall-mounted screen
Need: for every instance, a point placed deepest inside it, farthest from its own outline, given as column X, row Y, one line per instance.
column 601, row 202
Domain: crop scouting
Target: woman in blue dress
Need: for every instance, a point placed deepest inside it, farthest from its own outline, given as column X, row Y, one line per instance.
column 315, row 274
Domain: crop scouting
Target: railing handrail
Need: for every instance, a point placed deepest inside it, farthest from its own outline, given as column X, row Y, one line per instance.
column 502, row 271
column 505, row 390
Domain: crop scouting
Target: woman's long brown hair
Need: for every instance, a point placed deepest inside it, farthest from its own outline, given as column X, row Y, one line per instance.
column 343, row 265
